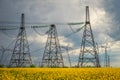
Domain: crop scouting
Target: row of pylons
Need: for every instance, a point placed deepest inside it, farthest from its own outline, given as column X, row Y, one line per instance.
column 52, row 56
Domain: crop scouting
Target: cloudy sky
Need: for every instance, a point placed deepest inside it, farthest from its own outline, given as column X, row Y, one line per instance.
column 104, row 16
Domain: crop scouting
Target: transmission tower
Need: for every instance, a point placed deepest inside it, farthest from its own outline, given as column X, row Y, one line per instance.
column 3, row 50
column 21, row 53
column 67, row 50
column 106, row 58
column 108, row 61
column 52, row 56
column 88, row 53
column 106, row 64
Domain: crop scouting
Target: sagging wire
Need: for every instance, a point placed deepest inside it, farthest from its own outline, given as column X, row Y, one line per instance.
column 33, row 27
column 4, row 28
column 6, row 34
column 10, row 27
column 37, row 50
column 38, row 32
column 71, row 28
column 9, row 36
column 73, row 32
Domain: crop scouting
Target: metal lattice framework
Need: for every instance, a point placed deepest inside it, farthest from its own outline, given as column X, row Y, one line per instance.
column 107, row 57
column 52, row 56
column 21, row 53
column 88, row 52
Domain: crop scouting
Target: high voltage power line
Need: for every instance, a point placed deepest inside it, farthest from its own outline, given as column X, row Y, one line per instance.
column 52, row 56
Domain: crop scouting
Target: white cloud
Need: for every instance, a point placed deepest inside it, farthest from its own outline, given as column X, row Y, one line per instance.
column 41, row 39
column 64, row 42
column 115, row 46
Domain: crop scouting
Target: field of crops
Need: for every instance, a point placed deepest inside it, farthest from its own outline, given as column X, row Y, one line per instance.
column 59, row 73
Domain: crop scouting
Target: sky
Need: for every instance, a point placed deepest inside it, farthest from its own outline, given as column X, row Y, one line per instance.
column 104, row 16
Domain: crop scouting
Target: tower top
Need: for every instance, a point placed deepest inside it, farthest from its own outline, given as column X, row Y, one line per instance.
column 87, row 15
column 22, row 25
column 52, row 25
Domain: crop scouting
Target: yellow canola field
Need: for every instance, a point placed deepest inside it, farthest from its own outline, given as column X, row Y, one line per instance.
column 59, row 73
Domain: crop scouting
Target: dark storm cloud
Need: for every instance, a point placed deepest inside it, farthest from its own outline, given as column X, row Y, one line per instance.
column 113, row 7
column 37, row 10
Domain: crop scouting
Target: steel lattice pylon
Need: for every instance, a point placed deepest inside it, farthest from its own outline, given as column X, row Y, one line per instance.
column 52, row 56
column 21, row 53
column 88, row 53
